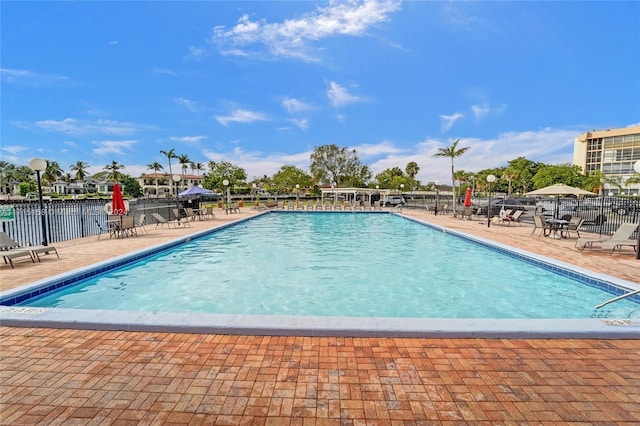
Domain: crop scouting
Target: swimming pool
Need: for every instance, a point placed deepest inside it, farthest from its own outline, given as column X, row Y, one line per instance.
column 350, row 270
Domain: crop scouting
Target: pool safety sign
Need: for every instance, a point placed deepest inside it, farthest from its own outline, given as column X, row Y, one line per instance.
column 7, row 213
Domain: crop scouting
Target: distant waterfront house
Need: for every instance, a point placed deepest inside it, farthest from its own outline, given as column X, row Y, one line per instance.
column 161, row 185
column 612, row 152
column 88, row 186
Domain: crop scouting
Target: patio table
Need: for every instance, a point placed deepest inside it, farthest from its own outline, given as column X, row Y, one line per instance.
column 557, row 225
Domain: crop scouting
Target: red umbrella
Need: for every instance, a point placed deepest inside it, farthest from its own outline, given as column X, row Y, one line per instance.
column 117, row 202
column 467, row 198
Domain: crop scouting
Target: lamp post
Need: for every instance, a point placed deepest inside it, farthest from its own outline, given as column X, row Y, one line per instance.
column 636, row 167
column 253, row 185
column 490, row 179
column 226, row 186
column 473, row 186
column 297, row 193
column 176, row 179
column 40, row 165
column 378, row 194
column 601, row 204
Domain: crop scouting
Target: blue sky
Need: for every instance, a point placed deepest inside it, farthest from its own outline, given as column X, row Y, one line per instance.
column 260, row 84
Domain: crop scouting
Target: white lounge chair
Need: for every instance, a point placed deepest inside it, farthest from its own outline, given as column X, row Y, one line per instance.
column 618, row 239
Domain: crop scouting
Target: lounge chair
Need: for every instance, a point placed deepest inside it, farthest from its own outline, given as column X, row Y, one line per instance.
column 10, row 255
column 618, row 239
column 13, row 250
column 515, row 217
column 161, row 221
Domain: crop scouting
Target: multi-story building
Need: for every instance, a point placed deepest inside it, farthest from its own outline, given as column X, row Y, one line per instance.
column 161, row 185
column 613, row 152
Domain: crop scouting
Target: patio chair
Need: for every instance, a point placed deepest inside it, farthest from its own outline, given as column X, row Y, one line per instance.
column 618, row 239
column 574, row 225
column 140, row 223
column 540, row 223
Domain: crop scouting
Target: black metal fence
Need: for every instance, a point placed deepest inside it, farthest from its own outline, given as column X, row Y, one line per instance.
column 71, row 219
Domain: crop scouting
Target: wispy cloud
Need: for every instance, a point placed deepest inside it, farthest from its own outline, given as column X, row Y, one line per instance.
column 113, row 147
column 71, row 126
column 192, row 106
column 302, row 123
column 163, row 71
column 241, row 116
column 449, row 120
column 293, row 105
column 187, row 139
column 292, row 38
column 31, row 78
column 339, row 96
column 480, row 112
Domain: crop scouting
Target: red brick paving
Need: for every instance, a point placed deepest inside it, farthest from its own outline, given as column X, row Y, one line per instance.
column 50, row 376
column 101, row 377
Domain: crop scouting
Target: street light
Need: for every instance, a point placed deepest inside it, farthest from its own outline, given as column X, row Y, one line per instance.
column 40, row 165
column 636, row 167
column 254, row 193
column 490, row 179
column 226, row 185
column 297, row 193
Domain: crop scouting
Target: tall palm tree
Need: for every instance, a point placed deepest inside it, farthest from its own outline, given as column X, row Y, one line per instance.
column 156, row 167
column 197, row 167
column 81, row 170
column 183, row 160
column 412, row 170
column 452, row 152
column 53, row 172
column 170, row 154
column 114, row 171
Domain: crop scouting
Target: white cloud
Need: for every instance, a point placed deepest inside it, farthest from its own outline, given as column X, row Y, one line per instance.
column 192, row 106
column 480, row 111
column 449, row 120
column 71, row 126
column 13, row 149
column 293, row 105
column 340, row 96
column 31, row 78
column 188, row 139
column 241, row 116
column 258, row 164
column 113, row 147
column 302, row 123
column 292, row 37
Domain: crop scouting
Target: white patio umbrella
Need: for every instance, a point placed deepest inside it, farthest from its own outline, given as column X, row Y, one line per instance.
column 559, row 189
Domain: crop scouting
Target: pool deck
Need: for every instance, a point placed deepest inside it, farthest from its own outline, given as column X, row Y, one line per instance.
column 52, row 376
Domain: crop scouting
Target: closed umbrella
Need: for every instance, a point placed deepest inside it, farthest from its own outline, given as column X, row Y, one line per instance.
column 467, row 198
column 117, row 202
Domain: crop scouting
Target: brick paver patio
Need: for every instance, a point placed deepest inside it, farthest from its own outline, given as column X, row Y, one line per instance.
column 50, row 376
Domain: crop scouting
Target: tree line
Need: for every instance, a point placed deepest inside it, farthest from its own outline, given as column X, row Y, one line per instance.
column 331, row 165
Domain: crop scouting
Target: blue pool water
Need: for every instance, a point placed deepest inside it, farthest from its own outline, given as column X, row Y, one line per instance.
column 329, row 264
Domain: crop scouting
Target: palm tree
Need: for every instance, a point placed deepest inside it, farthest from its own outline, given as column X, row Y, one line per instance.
column 183, row 160
column 452, row 152
column 113, row 170
column 53, row 172
column 197, row 167
column 81, row 170
column 170, row 154
column 156, row 167
column 412, row 170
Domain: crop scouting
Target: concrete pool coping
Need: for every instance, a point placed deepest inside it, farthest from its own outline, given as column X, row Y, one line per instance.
column 316, row 326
